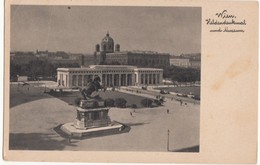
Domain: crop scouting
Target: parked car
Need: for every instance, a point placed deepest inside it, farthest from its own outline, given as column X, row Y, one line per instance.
column 144, row 87
column 196, row 97
column 164, row 92
column 182, row 95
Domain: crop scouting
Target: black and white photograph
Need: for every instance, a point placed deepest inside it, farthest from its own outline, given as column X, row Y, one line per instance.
column 105, row 78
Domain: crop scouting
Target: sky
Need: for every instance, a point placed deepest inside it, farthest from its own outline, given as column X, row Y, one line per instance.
column 77, row 29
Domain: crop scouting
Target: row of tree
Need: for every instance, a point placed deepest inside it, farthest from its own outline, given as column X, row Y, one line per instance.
column 122, row 103
column 44, row 68
column 181, row 74
column 37, row 68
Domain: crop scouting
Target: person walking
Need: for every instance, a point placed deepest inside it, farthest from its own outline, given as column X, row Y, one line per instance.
column 168, row 111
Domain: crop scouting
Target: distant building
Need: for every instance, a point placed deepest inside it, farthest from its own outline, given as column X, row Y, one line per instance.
column 87, row 60
column 22, row 78
column 110, row 75
column 22, row 57
column 108, row 53
column 181, row 62
column 187, row 61
column 194, row 56
column 195, row 64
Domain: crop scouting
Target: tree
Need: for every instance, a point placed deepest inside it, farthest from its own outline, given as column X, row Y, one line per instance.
column 146, row 102
column 77, row 101
column 109, row 102
column 120, row 102
column 181, row 74
column 133, row 106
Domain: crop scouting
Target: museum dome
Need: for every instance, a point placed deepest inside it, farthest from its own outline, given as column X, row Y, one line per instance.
column 107, row 38
column 107, row 44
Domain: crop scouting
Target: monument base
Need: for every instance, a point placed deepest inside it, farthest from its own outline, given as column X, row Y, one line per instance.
column 73, row 132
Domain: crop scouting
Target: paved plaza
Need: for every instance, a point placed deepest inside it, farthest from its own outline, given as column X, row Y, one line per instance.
column 34, row 115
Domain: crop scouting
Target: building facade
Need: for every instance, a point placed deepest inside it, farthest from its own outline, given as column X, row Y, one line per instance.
column 109, row 53
column 181, row 62
column 110, row 75
column 187, row 61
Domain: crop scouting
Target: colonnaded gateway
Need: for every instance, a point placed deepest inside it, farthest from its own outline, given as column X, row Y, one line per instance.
column 110, row 75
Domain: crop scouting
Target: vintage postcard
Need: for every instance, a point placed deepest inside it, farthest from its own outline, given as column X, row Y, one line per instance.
column 137, row 82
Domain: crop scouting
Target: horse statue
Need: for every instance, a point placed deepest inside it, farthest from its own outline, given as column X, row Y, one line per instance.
column 91, row 87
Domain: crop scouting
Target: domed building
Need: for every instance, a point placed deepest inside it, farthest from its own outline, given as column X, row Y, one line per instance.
column 109, row 53
column 106, row 46
column 125, row 68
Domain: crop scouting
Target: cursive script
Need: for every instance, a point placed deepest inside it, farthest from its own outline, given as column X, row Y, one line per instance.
column 224, row 14
column 224, row 19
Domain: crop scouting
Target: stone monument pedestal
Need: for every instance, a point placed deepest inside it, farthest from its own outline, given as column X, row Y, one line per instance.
column 92, row 119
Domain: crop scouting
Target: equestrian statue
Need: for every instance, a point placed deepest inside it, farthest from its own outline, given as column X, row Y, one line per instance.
column 91, row 87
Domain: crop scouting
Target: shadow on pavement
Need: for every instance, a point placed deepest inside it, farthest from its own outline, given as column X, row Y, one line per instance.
column 64, row 135
column 36, row 141
column 21, row 95
column 189, row 149
column 135, row 124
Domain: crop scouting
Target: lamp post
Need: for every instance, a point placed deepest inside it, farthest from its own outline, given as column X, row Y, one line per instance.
column 168, row 134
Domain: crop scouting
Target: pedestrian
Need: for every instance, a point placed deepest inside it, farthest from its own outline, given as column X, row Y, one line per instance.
column 168, row 111
column 185, row 104
column 131, row 114
column 181, row 102
column 69, row 139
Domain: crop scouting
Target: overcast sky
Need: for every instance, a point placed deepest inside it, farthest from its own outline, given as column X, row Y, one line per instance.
column 78, row 29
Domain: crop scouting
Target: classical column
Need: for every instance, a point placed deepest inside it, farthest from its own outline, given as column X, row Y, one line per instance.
column 126, row 80
column 133, row 79
column 148, row 79
column 107, row 80
column 113, row 80
column 151, row 78
column 140, row 78
column 101, row 78
column 119, row 82
column 155, row 76
column 82, row 80
column 110, row 80
column 76, row 80
column 160, row 80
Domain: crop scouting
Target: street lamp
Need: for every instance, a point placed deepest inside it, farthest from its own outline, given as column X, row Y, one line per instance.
column 168, row 134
